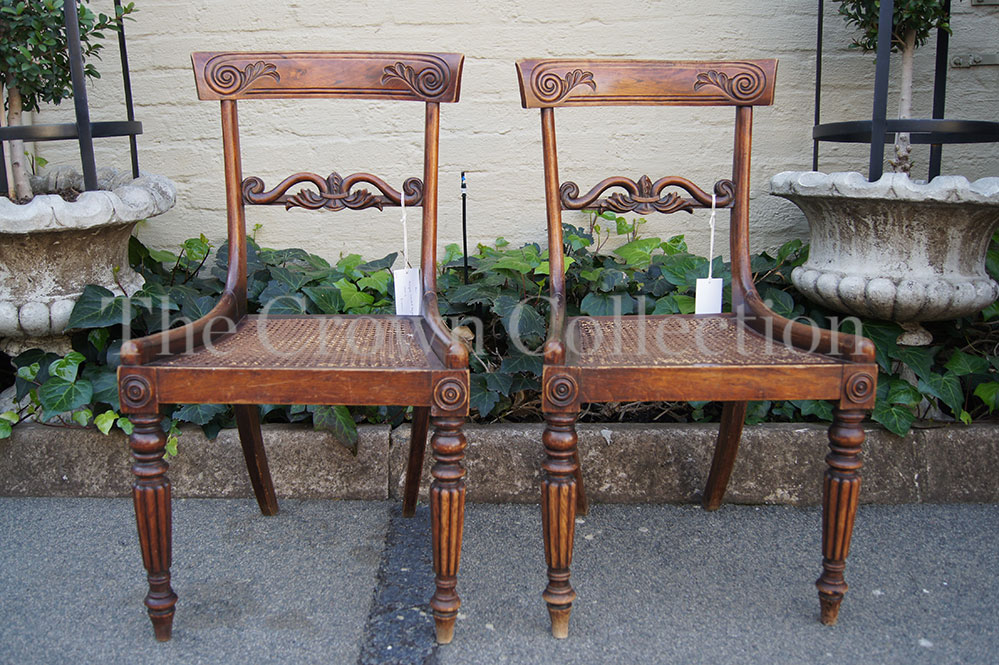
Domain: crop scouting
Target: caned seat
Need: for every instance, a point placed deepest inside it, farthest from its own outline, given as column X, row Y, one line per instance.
column 229, row 356
column 750, row 353
column 664, row 341
column 321, row 342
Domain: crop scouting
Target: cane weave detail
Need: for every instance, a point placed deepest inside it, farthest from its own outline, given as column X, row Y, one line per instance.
column 315, row 342
column 666, row 341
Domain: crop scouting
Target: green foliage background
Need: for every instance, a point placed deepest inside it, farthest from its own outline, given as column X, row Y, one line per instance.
column 33, row 53
column 923, row 16
column 954, row 379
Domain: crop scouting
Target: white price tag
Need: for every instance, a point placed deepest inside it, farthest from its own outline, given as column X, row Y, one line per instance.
column 408, row 291
column 708, row 292
column 708, row 295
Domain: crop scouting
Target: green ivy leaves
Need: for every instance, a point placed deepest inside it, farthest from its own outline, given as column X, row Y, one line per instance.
column 506, row 307
column 336, row 419
column 33, row 48
column 97, row 307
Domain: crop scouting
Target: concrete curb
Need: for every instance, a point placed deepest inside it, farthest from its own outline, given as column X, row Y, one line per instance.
column 622, row 463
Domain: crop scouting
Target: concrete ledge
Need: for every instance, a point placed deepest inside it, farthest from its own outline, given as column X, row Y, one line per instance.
column 47, row 461
column 777, row 463
column 622, row 463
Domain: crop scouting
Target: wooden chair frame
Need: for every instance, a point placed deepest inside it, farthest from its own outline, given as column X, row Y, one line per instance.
column 818, row 364
column 176, row 366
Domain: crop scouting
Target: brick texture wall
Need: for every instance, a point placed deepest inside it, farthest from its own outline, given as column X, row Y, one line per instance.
column 487, row 134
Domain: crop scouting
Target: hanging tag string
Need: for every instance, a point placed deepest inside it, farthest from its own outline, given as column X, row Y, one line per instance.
column 711, row 241
column 405, row 232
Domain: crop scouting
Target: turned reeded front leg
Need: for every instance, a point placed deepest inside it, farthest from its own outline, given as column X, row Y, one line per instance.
column 447, row 516
column 839, row 507
column 558, row 515
column 151, row 492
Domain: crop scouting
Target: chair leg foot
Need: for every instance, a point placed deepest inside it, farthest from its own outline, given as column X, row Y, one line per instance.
column 839, row 507
column 414, row 469
column 160, row 606
column 444, row 628
column 163, row 628
column 830, row 608
column 560, row 620
column 151, row 496
column 558, row 515
column 447, row 517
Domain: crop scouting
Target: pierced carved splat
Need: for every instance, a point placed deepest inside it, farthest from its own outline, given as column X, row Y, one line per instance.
column 645, row 197
column 334, row 192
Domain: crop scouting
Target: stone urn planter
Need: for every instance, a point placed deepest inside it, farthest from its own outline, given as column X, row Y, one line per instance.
column 895, row 249
column 51, row 248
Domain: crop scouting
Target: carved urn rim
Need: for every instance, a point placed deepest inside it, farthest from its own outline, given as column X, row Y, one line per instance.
column 121, row 200
column 891, row 186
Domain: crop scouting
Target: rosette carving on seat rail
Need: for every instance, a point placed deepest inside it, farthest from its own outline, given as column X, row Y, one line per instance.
column 645, row 197
column 335, row 192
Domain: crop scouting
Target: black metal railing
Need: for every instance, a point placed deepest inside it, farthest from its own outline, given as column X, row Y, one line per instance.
column 935, row 131
column 83, row 129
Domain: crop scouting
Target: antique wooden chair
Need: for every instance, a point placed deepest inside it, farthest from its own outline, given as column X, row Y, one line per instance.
column 748, row 354
column 231, row 357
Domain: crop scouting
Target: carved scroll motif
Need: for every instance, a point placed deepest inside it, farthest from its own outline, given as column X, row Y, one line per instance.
column 645, row 197
column 742, row 86
column 334, row 192
column 230, row 80
column 430, row 81
column 549, row 87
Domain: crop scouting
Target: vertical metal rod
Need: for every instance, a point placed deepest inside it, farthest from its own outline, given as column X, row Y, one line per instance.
column 464, row 223
column 939, row 91
column 818, row 84
column 3, row 171
column 4, row 185
column 127, row 81
column 879, row 114
column 72, row 17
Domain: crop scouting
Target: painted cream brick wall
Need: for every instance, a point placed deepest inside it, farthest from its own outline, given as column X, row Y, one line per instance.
column 487, row 134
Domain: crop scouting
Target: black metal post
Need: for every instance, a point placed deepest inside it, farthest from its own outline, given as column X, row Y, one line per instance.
column 127, row 81
column 879, row 115
column 878, row 131
column 83, row 129
column 464, row 223
column 818, row 84
column 3, row 170
column 939, row 91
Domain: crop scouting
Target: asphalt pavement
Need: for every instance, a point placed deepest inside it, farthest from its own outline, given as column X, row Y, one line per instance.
column 348, row 582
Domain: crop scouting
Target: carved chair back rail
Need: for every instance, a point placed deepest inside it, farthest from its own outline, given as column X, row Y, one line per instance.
column 754, row 354
column 229, row 356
